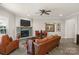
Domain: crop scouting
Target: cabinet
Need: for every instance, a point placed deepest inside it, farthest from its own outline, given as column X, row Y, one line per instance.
column 77, row 42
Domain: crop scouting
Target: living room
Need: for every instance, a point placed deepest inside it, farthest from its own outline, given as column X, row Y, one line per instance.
column 55, row 19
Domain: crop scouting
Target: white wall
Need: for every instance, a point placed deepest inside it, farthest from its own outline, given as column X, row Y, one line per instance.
column 39, row 24
column 3, row 21
column 10, row 17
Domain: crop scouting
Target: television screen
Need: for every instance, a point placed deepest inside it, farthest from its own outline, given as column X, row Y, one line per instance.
column 25, row 22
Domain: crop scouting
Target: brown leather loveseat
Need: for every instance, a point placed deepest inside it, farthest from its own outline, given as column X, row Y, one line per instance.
column 8, row 45
column 43, row 46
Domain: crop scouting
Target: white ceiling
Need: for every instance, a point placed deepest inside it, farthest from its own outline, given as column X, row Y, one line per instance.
column 32, row 9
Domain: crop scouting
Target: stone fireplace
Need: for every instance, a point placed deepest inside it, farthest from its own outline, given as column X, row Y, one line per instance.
column 24, row 32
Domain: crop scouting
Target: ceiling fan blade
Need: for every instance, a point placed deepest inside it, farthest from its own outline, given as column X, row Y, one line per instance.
column 48, row 11
column 43, row 11
column 41, row 14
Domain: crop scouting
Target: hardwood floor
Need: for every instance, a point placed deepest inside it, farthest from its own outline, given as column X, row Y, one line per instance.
column 66, row 47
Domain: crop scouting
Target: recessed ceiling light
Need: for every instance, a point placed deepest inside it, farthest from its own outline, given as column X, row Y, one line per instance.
column 28, row 15
column 60, row 14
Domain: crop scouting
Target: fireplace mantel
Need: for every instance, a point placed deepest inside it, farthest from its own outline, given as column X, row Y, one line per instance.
column 24, row 27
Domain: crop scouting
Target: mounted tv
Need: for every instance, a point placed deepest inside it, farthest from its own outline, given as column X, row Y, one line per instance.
column 24, row 22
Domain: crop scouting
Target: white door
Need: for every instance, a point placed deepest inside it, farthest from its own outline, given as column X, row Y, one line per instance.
column 70, row 28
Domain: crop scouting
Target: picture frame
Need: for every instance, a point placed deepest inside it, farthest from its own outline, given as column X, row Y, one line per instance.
column 59, row 27
column 50, row 27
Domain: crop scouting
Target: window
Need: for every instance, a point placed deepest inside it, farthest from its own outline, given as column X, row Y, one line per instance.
column 2, row 29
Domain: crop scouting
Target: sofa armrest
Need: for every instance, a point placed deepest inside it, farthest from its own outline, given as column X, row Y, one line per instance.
column 12, row 45
column 37, row 47
column 2, row 47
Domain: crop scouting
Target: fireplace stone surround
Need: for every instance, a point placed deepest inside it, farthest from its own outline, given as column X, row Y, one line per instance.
column 24, row 32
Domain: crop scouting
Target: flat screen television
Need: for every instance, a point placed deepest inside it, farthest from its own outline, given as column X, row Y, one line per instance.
column 24, row 22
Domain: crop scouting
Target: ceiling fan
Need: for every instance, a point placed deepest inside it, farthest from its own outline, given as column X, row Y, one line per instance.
column 43, row 11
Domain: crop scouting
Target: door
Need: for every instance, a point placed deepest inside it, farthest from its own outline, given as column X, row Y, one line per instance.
column 70, row 28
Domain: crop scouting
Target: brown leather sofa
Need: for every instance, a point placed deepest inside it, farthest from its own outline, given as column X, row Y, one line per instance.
column 8, row 45
column 43, row 46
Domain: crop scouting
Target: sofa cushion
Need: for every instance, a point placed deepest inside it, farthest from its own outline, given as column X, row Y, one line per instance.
column 50, row 37
column 5, row 39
